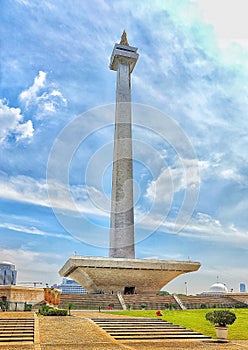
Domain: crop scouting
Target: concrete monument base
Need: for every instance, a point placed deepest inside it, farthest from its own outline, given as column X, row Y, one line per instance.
column 141, row 276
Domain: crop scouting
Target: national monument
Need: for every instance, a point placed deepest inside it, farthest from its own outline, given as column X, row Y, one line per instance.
column 121, row 272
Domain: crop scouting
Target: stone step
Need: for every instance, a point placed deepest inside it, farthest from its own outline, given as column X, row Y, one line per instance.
column 131, row 329
column 3, row 329
column 152, row 333
column 24, row 330
column 16, row 339
column 155, row 321
column 16, row 324
column 131, row 319
column 139, row 327
column 14, row 319
column 134, row 325
column 134, row 329
column 19, row 334
column 164, row 336
column 16, row 330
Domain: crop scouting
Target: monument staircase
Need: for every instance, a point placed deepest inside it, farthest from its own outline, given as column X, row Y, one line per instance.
column 151, row 302
column 242, row 300
column 145, row 329
column 207, row 301
column 90, row 301
column 16, row 330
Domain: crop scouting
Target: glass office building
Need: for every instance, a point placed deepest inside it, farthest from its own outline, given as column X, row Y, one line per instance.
column 242, row 288
column 7, row 274
column 71, row 287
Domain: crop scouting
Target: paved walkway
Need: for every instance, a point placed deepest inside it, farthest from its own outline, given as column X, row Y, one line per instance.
column 78, row 332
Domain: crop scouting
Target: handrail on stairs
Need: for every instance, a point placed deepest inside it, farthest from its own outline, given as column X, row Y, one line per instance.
column 121, row 300
column 179, row 301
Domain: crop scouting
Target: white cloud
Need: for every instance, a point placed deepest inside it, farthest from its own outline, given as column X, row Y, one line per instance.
column 42, row 96
column 173, row 179
column 218, row 166
column 33, row 266
column 204, row 227
column 30, row 94
column 12, row 124
column 33, row 231
column 231, row 174
column 228, row 18
column 200, row 227
column 28, row 190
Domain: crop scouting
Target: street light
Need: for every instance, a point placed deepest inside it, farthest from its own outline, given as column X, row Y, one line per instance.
column 186, row 287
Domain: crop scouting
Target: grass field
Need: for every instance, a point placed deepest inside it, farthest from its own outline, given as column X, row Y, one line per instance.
column 195, row 320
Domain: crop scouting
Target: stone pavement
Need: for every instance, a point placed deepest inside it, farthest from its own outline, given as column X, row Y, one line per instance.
column 79, row 332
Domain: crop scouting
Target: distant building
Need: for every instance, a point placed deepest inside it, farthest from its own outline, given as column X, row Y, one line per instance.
column 71, row 287
column 242, row 288
column 216, row 289
column 7, row 274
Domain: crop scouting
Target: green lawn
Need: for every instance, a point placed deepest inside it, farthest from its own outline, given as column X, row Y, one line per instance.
column 195, row 320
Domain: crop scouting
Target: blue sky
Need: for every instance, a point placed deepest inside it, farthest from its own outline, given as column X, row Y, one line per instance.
column 190, row 93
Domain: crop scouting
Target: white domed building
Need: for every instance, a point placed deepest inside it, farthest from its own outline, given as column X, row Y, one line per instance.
column 216, row 289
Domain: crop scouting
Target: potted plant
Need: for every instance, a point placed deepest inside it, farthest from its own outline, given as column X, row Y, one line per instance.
column 221, row 318
column 143, row 306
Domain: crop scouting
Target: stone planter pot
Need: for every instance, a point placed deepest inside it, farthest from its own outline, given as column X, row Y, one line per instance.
column 221, row 332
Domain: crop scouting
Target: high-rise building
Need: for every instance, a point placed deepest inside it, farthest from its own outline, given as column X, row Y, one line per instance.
column 7, row 273
column 69, row 286
column 242, row 288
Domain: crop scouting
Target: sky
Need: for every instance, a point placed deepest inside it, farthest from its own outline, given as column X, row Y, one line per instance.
column 190, row 123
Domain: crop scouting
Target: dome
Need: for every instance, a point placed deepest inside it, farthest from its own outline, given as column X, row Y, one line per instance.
column 218, row 288
column 6, row 263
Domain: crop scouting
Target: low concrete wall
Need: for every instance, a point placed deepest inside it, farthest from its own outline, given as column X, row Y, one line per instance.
column 22, row 294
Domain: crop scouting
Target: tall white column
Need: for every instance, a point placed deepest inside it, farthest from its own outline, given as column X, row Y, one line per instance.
column 123, row 60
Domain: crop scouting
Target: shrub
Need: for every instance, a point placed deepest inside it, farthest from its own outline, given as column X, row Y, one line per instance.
column 203, row 306
column 43, row 309
column 46, row 310
column 56, row 312
column 163, row 292
column 172, row 306
column 27, row 307
column 221, row 317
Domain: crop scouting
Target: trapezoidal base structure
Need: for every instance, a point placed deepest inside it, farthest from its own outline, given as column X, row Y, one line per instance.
column 141, row 276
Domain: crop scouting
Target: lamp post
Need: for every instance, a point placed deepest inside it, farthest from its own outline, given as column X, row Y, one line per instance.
column 186, row 287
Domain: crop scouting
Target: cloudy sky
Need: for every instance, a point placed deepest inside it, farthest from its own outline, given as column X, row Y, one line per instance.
column 189, row 90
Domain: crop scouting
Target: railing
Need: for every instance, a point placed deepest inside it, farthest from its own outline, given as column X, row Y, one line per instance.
column 179, row 302
column 14, row 306
column 121, row 300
